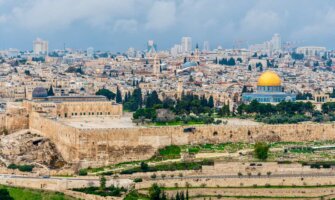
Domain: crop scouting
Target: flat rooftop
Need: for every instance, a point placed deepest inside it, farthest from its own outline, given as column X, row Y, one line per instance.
column 101, row 122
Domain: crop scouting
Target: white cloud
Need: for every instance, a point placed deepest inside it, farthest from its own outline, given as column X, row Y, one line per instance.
column 62, row 13
column 260, row 21
column 167, row 20
column 3, row 19
column 125, row 25
column 323, row 27
column 161, row 16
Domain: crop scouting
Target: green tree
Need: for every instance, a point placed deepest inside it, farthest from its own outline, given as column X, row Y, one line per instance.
column 168, row 103
column 51, row 91
column 107, row 93
column 231, row 62
column 152, row 100
column 155, row 192
column 216, row 60
column 329, row 63
column 147, row 113
column 182, row 195
column 224, row 111
column 118, row 95
column 297, row 56
column 82, row 172
column 261, row 150
column 102, row 183
column 191, row 79
column 144, row 167
column 137, row 94
column 332, row 95
column 203, row 101
column 177, row 196
column 241, row 108
column 244, row 89
column 328, row 107
column 4, row 195
column 211, row 102
column 134, row 101
column 27, row 72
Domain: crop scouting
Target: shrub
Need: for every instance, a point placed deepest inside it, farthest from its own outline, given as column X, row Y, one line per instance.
column 103, row 183
column 26, row 168
column 12, row 166
column 22, row 168
column 4, row 194
column 108, row 191
column 106, row 173
column 144, row 167
column 82, row 172
column 170, row 152
column 261, row 150
column 153, row 176
column 137, row 180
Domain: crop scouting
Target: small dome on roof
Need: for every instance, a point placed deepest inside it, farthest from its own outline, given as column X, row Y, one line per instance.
column 40, row 92
column 189, row 64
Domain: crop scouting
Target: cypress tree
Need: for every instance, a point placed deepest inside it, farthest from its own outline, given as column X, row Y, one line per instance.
column 177, row 196
column 118, row 95
column 51, row 91
column 211, row 102
column 182, row 196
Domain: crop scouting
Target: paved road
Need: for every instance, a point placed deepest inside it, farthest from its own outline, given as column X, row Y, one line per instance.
column 253, row 176
column 177, row 177
column 10, row 176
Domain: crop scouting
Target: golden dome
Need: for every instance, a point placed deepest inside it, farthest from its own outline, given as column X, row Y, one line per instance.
column 269, row 78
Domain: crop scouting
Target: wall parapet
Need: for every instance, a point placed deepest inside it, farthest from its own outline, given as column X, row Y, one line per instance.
column 108, row 146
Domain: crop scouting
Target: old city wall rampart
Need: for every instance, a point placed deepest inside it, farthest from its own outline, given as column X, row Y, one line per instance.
column 65, row 137
column 11, row 122
column 93, row 147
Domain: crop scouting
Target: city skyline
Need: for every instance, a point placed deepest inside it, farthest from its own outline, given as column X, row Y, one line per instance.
column 116, row 25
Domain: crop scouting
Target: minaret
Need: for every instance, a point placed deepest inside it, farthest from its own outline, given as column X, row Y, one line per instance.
column 156, row 66
column 196, row 54
column 180, row 87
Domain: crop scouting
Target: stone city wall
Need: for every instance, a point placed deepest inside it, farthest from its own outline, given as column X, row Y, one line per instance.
column 64, row 137
column 60, row 184
column 93, row 147
column 14, row 119
column 238, row 182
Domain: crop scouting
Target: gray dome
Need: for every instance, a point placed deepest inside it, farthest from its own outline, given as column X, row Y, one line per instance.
column 189, row 64
column 40, row 92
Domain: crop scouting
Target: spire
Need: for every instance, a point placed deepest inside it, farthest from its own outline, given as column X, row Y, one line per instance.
column 156, row 66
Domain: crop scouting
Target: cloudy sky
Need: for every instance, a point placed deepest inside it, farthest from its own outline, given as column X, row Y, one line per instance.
column 118, row 24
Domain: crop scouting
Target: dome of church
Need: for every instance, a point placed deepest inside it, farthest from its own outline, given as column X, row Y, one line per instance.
column 269, row 78
column 40, row 92
column 189, row 64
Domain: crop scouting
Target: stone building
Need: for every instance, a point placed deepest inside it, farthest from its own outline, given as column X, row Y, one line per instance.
column 269, row 90
column 72, row 106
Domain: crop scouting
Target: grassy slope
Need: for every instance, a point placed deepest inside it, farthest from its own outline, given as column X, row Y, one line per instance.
column 30, row 194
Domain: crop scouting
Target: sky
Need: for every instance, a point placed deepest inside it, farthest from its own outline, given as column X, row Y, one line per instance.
column 117, row 25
